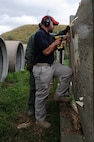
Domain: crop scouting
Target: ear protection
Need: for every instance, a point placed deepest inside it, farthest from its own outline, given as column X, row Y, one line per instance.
column 47, row 21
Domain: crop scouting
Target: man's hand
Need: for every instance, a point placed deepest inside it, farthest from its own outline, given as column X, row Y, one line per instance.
column 29, row 67
column 65, row 37
column 58, row 41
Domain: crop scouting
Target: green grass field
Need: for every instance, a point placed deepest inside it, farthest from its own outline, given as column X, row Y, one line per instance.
column 13, row 111
column 14, row 92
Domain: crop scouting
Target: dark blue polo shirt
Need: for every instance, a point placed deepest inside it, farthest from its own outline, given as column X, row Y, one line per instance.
column 41, row 41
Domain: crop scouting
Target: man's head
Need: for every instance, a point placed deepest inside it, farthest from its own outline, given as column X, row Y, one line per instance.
column 46, row 20
column 49, row 22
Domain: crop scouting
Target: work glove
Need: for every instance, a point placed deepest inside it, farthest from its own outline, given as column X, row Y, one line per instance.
column 68, row 28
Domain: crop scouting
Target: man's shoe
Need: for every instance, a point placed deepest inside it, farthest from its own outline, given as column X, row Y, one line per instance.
column 43, row 124
column 31, row 112
column 62, row 99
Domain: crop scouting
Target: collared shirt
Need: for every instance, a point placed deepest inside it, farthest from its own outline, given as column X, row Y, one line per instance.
column 42, row 41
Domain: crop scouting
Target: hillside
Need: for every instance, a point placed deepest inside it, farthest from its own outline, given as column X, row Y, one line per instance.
column 22, row 33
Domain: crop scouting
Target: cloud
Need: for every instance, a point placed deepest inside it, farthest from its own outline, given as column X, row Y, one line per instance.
column 15, row 13
column 18, row 20
column 4, row 29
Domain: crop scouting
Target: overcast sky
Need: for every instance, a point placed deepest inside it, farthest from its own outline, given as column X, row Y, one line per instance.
column 15, row 13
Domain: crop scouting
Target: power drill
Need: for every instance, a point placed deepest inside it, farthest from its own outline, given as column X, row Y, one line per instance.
column 61, row 46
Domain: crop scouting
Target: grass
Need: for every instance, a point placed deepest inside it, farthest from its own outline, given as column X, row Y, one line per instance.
column 66, row 62
column 13, row 111
column 13, row 101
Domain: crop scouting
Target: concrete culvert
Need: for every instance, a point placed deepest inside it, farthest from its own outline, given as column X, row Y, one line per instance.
column 15, row 52
column 3, row 60
column 25, row 46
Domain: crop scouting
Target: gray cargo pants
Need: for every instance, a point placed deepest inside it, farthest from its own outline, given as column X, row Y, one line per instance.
column 43, row 74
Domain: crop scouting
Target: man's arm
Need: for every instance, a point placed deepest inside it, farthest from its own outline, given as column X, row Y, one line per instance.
column 51, row 47
column 29, row 52
column 64, row 32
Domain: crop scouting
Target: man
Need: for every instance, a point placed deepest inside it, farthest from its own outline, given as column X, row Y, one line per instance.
column 29, row 66
column 44, row 69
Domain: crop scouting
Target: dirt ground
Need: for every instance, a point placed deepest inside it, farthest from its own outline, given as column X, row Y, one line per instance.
column 68, row 111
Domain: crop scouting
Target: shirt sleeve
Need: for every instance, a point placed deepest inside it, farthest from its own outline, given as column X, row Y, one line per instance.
column 29, row 50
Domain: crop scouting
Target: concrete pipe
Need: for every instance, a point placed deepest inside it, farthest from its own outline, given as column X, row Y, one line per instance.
column 25, row 46
column 3, row 60
column 15, row 52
